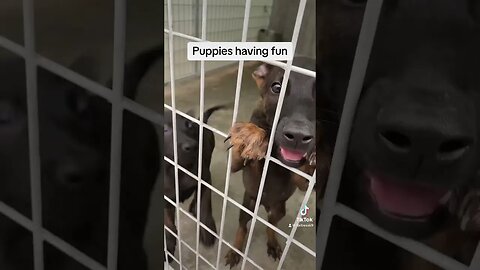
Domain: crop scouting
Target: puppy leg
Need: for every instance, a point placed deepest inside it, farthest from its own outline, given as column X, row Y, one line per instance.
column 275, row 214
column 169, row 220
column 206, row 216
column 233, row 258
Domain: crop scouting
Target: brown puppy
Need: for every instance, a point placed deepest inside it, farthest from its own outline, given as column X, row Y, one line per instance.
column 294, row 145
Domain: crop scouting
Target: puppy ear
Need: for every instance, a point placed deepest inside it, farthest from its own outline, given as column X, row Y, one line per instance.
column 260, row 74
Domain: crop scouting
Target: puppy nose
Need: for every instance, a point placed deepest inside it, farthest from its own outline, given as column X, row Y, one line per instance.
column 297, row 135
column 188, row 146
column 433, row 141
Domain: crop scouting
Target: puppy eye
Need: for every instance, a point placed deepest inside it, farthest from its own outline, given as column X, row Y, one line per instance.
column 166, row 129
column 276, row 87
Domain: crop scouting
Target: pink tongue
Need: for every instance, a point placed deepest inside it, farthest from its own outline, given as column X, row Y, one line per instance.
column 291, row 155
column 407, row 200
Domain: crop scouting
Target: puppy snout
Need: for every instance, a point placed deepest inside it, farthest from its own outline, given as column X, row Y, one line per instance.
column 189, row 147
column 297, row 134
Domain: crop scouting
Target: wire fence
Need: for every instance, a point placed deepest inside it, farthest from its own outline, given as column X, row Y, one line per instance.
column 331, row 207
column 172, row 34
column 119, row 104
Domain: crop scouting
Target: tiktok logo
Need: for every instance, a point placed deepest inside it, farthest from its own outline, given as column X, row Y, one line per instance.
column 304, row 211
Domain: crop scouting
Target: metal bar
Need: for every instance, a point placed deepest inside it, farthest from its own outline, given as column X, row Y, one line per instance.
column 223, row 241
column 72, row 252
column 193, row 119
column 33, row 132
column 12, row 47
column 232, row 201
column 49, row 237
column 234, row 119
column 142, row 111
column 413, row 246
column 220, row 133
column 75, row 78
column 475, row 264
column 84, row 82
column 116, row 133
column 286, row 75
column 15, row 216
column 295, row 225
column 365, row 42
column 200, row 133
column 174, row 120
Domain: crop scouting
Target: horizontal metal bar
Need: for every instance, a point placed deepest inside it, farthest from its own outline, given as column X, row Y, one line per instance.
column 71, row 251
column 223, row 241
column 15, row 216
column 188, row 246
column 278, row 162
column 408, row 244
column 195, row 120
column 308, row 177
column 185, row 36
column 142, row 111
column 75, row 78
column 84, row 82
column 237, row 204
column 49, row 237
column 13, row 47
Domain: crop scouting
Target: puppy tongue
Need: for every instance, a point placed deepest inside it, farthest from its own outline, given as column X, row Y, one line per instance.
column 405, row 199
column 291, row 155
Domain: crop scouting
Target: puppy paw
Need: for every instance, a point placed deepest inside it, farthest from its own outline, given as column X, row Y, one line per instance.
column 274, row 250
column 206, row 237
column 232, row 258
column 249, row 141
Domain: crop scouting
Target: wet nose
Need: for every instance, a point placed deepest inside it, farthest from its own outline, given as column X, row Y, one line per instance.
column 297, row 134
column 189, row 147
column 438, row 139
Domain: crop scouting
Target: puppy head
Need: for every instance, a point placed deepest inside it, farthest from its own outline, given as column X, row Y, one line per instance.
column 187, row 140
column 295, row 134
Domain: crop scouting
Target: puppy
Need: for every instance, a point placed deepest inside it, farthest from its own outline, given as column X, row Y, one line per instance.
column 294, row 145
column 187, row 150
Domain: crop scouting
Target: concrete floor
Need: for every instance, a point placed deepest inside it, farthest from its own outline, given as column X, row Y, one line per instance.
column 220, row 89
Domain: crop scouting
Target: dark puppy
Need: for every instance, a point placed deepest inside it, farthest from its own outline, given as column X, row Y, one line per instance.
column 415, row 136
column 187, row 150
column 75, row 153
column 294, row 145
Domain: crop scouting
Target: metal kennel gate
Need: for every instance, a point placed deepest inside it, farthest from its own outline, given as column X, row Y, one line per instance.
column 119, row 104
column 330, row 207
column 288, row 68
column 225, row 20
